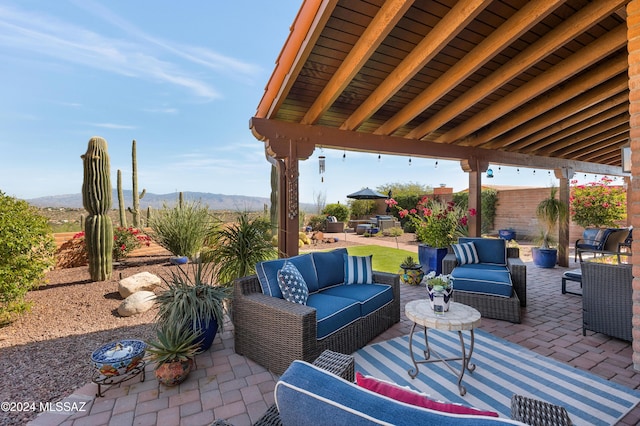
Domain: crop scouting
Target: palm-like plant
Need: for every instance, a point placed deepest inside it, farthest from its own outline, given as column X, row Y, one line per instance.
column 549, row 212
column 238, row 247
column 190, row 297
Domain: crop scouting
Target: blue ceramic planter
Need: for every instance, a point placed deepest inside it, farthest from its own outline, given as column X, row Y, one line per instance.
column 544, row 258
column 507, row 234
column 431, row 258
column 208, row 334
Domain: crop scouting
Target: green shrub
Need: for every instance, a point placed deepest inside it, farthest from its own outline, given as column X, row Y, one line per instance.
column 27, row 251
column 183, row 231
column 361, row 208
column 316, row 222
column 340, row 211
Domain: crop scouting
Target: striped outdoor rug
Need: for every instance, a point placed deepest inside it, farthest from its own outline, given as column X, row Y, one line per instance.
column 502, row 369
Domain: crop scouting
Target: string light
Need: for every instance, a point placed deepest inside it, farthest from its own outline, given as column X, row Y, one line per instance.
column 518, row 170
column 534, row 172
column 409, row 160
column 499, row 169
column 344, row 155
column 379, row 157
column 436, row 164
column 549, row 172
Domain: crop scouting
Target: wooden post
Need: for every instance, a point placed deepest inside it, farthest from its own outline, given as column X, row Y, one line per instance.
column 475, row 167
column 564, row 192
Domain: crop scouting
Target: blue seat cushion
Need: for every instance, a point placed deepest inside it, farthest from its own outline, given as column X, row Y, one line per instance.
column 489, row 250
column 573, row 275
column 333, row 313
column 267, row 272
column 329, row 267
column 371, row 297
column 482, row 278
column 308, row 395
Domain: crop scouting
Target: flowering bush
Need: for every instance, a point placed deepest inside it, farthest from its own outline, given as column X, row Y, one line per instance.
column 597, row 203
column 437, row 223
column 125, row 240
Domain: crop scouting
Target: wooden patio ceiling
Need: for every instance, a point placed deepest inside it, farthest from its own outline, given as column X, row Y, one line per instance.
column 539, row 83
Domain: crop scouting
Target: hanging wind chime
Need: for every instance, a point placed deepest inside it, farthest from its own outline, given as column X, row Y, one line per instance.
column 321, row 160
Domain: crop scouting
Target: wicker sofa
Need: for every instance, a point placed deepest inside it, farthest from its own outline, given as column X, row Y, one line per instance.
column 274, row 332
column 607, row 302
column 489, row 305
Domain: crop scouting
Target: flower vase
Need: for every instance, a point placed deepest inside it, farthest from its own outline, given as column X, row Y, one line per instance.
column 439, row 298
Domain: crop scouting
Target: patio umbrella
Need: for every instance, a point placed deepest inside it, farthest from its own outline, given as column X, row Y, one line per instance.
column 366, row 194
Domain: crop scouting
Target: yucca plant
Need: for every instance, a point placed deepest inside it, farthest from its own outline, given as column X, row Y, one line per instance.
column 184, row 229
column 549, row 211
column 174, row 342
column 237, row 248
column 190, row 297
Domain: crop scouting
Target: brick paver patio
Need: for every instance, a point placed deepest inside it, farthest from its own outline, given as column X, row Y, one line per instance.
column 228, row 386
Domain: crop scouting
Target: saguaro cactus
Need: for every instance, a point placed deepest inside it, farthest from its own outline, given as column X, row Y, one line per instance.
column 121, row 209
column 97, row 198
column 135, row 211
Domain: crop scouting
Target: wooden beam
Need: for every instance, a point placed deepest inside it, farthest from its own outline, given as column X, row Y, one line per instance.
column 613, row 74
column 276, row 130
column 520, row 22
column 381, row 25
column 587, row 137
column 567, row 114
column 572, row 129
column 583, row 58
column 446, row 29
column 555, row 39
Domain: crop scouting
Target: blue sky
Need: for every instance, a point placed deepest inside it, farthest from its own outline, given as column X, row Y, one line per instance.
column 183, row 79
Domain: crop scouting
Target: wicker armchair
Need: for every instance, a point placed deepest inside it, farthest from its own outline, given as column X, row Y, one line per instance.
column 274, row 332
column 502, row 308
column 607, row 299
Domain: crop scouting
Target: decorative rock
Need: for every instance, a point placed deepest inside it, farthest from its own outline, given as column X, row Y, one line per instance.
column 143, row 281
column 137, row 303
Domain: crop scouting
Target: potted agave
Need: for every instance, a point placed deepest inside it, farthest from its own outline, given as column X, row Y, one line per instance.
column 411, row 272
column 173, row 352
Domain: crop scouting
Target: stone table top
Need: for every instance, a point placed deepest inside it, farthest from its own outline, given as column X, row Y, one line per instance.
column 458, row 317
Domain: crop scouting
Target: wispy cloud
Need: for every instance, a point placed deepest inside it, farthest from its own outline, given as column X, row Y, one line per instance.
column 47, row 36
column 162, row 110
column 195, row 54
column 113, row 126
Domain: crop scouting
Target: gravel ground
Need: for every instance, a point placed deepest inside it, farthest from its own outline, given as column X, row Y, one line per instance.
column 46, row 353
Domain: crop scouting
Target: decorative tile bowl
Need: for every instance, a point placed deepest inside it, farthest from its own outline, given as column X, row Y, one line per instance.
column 118, row 358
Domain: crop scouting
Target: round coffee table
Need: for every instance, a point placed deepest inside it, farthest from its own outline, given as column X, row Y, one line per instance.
column 459, row 317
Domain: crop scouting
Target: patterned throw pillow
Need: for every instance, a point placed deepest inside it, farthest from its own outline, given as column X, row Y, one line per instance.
column 292, row 284
column 465, row 253
column 357, row 269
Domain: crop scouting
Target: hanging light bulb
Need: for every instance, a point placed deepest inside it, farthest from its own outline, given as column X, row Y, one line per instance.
column 344, row 155
column 436, row 164
column 409, row 160
column 549, row 172
column 379, row 157
column 534, row 172
column 499, row 169
column 518, row 170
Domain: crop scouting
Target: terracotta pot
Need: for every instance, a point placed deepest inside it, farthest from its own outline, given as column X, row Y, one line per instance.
column 173, row 373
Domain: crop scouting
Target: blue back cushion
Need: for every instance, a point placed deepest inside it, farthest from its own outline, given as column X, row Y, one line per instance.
column 267, row 272
column 329, row 267
column 490, row 250
column 308, row 395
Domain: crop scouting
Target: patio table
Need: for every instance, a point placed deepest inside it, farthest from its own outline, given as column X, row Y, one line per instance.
column 459, row 317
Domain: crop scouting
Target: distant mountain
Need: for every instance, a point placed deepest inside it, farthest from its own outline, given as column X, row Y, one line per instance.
column 156, row 201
